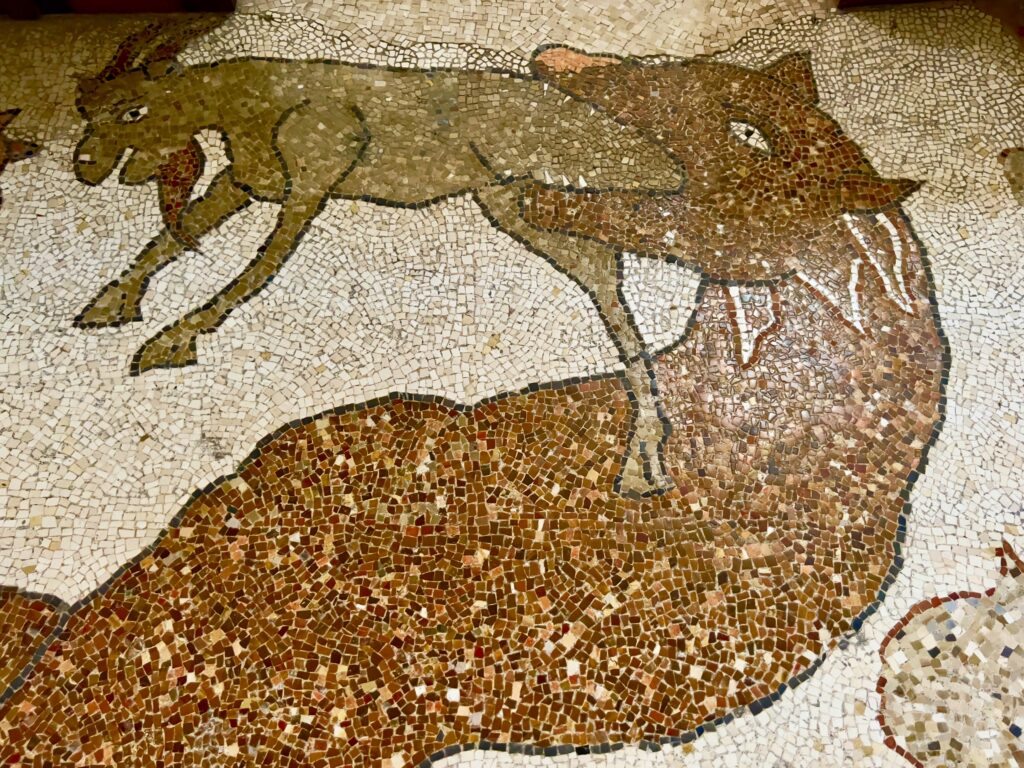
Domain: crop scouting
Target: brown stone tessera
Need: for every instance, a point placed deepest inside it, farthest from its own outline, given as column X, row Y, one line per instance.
column 625, row 558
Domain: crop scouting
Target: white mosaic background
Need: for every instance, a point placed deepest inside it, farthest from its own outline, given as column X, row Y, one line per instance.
column 94, row 462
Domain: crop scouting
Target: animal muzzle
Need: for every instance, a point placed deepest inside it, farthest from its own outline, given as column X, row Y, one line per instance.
column 94, row 161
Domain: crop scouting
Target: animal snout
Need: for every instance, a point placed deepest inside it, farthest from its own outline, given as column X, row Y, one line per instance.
column 92, row 163
column 869, row 192
column 89, row 171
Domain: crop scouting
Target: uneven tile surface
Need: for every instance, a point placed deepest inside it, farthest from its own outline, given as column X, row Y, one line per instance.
column 522, row 386
column 28, row 622
column 1013, row 168
column 945, row 657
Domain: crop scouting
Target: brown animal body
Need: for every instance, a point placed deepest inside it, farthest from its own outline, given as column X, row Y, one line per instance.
column 406, row 577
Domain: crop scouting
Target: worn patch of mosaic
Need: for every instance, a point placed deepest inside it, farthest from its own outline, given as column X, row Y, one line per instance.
column 951, row 681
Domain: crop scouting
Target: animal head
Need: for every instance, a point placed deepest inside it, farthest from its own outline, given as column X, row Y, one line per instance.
column 764, row 163
column 133, row 104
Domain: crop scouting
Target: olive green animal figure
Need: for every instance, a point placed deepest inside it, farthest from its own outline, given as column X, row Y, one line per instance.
column 300, row 133
column 12, row 150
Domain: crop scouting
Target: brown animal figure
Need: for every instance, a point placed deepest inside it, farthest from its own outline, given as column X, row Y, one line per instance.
column 12, row 150
column 301, row 133
column 393, row 582
column 773, row 185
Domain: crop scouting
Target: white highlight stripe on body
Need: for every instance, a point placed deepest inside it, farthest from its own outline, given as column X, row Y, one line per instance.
column 749, row 334
column 742, row 328
column 854, row 298
column 897, row 246
column 853, row 318
column 897, row 296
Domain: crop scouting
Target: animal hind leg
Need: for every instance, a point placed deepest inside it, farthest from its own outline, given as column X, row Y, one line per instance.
column 120, row 301
column 597, row 269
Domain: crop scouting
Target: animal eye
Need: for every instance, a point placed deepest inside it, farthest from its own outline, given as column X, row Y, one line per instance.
column 751, row 135
column 134, row 114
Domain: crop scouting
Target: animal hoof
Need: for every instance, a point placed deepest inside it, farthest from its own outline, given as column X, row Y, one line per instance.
column 634, row 482
column 174, row 347
column 115, row 305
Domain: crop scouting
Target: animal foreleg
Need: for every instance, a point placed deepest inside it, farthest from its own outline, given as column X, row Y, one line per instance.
column 120, row 300
column 175, row 345
column 597, row 270
column 643, row 471
column 318, row 145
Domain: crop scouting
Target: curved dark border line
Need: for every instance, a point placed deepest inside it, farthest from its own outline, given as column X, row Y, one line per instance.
column 458, row 408
column 753, row 708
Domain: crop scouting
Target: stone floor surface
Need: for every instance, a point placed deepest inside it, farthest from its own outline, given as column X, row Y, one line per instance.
column 532, row 384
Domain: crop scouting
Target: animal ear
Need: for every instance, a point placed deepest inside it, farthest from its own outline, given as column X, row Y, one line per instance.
column 863, row 193
column 795, row 71
column 550, row 62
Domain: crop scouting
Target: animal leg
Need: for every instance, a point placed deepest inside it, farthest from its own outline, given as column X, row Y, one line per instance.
column 596, row 268
column 643, row 471
column 318, row 148
column 120, row 300
column 175, row 345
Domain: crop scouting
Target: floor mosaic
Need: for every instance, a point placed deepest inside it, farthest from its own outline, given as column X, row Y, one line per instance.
column 461, row 385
